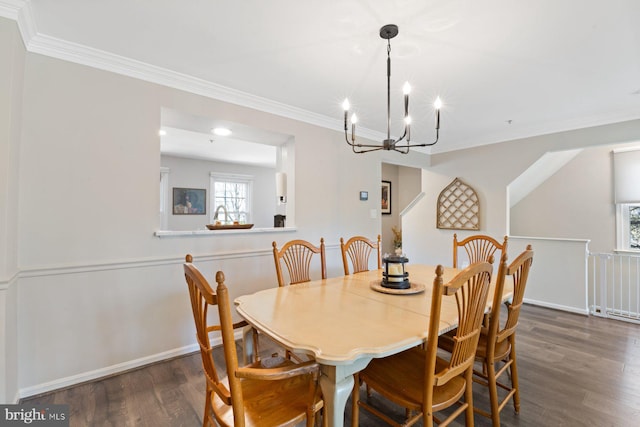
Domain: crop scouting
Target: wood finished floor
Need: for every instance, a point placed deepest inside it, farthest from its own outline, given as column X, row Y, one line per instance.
column 574, row 371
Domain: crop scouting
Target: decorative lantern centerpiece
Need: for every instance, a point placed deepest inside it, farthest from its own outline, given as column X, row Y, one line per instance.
column 394, row 276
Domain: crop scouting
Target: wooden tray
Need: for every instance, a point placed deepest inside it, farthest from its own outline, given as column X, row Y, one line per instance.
column 414, row 288
column 229, row 226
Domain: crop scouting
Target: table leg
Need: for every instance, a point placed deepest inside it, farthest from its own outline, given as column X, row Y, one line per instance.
column 248, row 340
column 337, row 383
column 335, row 398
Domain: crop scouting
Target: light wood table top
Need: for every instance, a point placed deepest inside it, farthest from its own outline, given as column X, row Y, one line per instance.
column 343, row 323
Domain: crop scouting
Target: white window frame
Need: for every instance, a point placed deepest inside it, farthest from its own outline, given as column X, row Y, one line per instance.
column 236, row 178
column 165, row 204
column 623, row 227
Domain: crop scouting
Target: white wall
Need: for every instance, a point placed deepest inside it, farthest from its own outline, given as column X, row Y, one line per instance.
column 489, row 170
column 190, row 173
column 98, row 291
column 410, row 180
column 558, row 277
column 576, row 202
column 11, row 84
column 405, row 186
column 390, row 173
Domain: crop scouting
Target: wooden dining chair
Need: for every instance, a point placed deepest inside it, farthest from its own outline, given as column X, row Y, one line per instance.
column 478, row 247
column 418, row 379
column 263, row 393
column 497, row 344
column 297, row 256
column 358, row 249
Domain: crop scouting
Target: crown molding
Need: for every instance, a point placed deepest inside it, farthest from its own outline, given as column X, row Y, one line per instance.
column 21, row 12
column 10, row 8
column 81, row 54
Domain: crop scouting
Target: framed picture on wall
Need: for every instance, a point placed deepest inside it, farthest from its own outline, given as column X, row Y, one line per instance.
column 189, row 201
column 385, row 206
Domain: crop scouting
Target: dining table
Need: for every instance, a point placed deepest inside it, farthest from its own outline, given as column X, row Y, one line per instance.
column 344, row 322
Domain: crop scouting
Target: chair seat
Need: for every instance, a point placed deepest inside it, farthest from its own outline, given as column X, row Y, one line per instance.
column 406, row 386
column 501, row 350
column 271, row 403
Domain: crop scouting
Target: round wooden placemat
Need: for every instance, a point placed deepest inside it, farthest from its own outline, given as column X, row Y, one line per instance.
column 414, row 288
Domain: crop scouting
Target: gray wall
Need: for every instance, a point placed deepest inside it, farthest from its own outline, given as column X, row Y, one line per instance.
column 576, row 202
column 190, row 173
column 97, row 292
column 11, row 86
column 490, row 169
column 405, row 187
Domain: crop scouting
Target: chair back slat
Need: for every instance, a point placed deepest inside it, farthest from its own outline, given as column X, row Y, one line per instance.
column 471, row 289
column 230, row 353
column 499, row 341
column 478, row 248
column 202, row 296
column 297, row 256
column 519, row 271
column 358, row 249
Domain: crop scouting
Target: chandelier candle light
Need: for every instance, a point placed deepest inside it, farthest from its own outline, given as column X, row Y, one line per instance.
column 388, row 32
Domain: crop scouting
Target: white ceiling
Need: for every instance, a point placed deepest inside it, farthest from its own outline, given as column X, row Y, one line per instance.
column 505, row 69
column 191, row 136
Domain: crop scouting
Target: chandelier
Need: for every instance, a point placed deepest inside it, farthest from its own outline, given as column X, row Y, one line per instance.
column 388, row 32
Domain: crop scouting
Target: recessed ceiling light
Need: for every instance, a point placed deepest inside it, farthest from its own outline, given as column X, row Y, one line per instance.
column 221, row 131
column 162, row 132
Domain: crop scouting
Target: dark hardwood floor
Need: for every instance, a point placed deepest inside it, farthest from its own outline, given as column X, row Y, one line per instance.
column 574, row 371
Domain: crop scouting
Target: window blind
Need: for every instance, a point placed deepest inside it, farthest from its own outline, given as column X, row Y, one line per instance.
column 626, row 176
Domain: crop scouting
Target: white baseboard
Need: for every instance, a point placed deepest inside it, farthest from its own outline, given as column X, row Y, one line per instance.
column 576, row 310
column 103, row 372
column 111, row 370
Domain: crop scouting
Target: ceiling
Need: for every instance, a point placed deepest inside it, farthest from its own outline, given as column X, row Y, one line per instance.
column 504, row 69
column 186, row 135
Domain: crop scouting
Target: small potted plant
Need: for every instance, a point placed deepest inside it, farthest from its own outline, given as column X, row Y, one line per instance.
column 397, row 240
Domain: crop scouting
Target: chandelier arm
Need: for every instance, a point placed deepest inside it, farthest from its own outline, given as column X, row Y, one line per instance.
column 353, row 145
column 424, row 145
column 367, row 146
column 401, row 151
column 404, row 135
column 366, row 151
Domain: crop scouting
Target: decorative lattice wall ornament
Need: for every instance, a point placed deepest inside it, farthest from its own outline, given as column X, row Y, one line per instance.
column 458, row 207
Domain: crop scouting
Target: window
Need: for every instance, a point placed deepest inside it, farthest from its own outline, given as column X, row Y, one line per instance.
column 626, row 173
column 231, row 198
column 628, row 225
